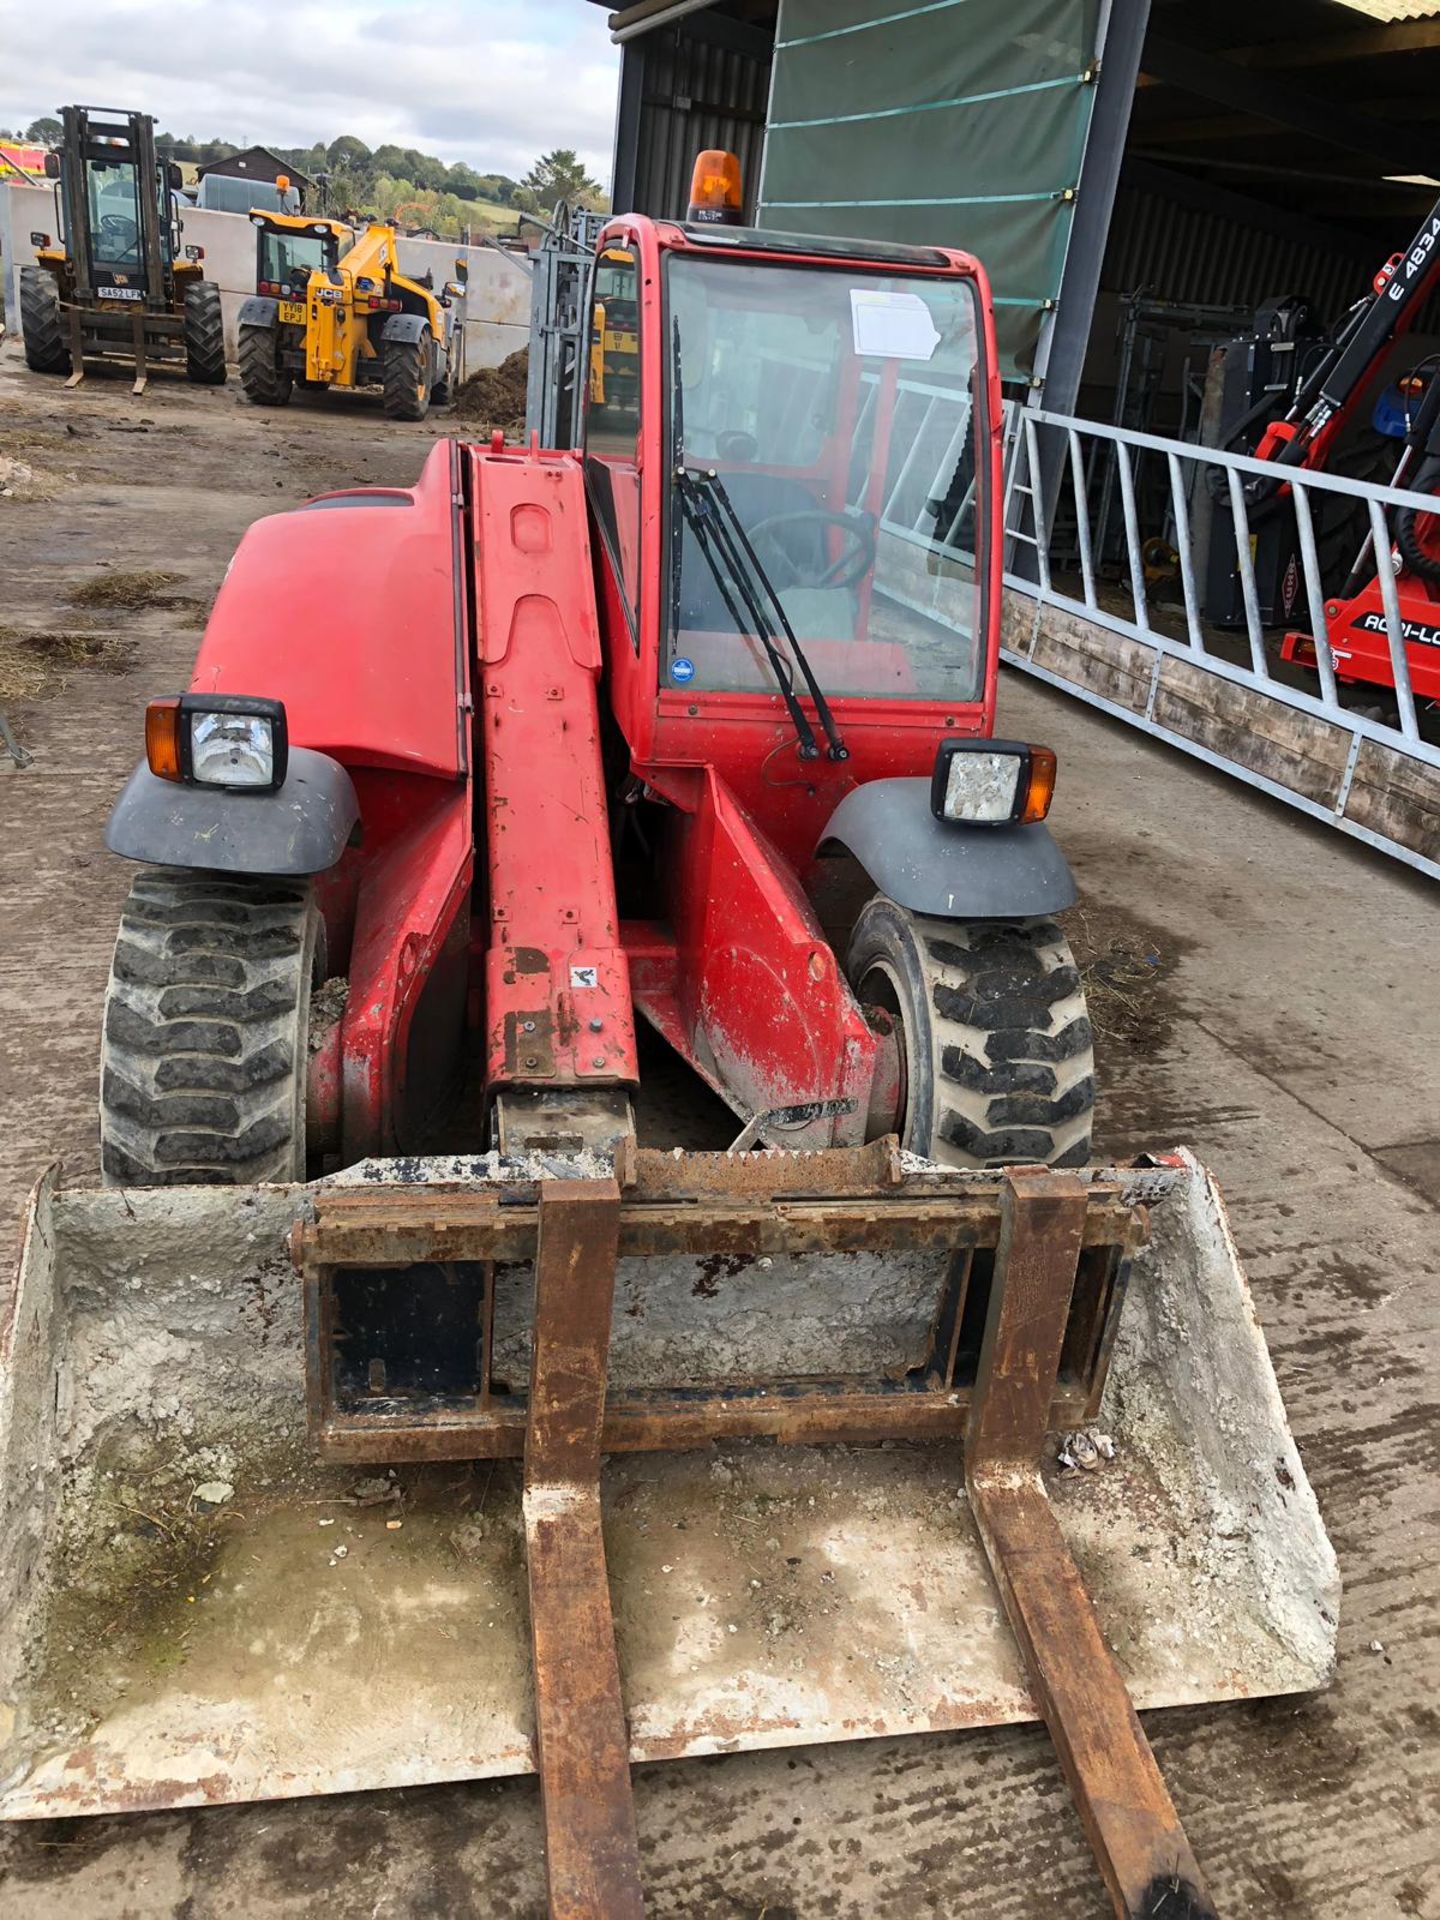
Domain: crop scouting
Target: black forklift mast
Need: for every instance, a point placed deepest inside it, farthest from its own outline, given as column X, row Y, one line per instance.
column 107, row 136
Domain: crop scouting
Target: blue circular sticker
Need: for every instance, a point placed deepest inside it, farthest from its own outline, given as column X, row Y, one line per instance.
column 682, row 669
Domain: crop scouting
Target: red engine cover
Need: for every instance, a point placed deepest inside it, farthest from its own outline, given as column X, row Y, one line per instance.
column 349, row 609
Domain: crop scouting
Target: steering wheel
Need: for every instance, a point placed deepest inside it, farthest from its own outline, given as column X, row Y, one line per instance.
column 116, row 227
column 856, row 558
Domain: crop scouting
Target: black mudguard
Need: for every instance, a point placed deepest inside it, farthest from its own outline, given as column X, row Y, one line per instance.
column 301, row 828
column 258, row 311
column 937, row 867
column 404, row 326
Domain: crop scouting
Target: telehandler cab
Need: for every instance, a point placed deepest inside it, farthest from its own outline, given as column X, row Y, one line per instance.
column 113, row 282
column 331, row 308
column 679, row 726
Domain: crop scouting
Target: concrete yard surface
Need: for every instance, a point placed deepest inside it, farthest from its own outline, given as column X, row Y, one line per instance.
column 1263, row 992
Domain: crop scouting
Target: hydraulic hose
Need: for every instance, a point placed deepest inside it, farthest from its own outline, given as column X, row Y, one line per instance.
column 1416, row 557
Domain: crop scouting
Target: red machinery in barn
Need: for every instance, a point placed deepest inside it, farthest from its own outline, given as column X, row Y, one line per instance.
column 1326, row 398
column 1356, row 620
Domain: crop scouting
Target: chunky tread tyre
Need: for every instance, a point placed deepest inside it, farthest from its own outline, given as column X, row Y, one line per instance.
column 999, row 1050
column 203, row 1060
column 204, row 335
column 42, row 324
column 407, row 378
column 266, row 382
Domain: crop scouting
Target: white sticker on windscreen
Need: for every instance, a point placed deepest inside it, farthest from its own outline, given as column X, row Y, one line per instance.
column 892, row 326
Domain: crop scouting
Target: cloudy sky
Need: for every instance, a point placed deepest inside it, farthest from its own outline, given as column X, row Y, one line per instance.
column 492, row 82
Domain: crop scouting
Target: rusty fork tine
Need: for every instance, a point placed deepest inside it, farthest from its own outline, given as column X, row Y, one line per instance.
column 592, row 1855
column 1127, row 1813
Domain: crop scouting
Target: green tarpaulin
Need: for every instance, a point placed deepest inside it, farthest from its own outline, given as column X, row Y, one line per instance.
column 958, row 123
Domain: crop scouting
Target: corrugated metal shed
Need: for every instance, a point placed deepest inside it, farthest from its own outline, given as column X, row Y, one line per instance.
column 1187, row 253
column 701, row 83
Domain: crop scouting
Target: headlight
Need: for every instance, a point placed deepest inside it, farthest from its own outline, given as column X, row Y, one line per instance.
column 990, row 783
column 232, row 750
column 218, row 740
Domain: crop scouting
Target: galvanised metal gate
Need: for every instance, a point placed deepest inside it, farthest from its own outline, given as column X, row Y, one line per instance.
column 562, row 269
column 1127, row 631
column 1226, row 698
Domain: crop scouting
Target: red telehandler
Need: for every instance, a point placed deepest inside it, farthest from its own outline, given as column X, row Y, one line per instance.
column 468, row 777
column 1337, row 383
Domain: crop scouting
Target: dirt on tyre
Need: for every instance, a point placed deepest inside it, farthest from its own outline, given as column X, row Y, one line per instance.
column 204, row 1055
column 997, row 1050
column 407, row 377
column 265, row 381
column 204, row 335
column 42, row 324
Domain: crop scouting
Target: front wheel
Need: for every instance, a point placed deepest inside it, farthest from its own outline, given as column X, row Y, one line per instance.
column 204, row 1057
column 266, row 382
column 997, row 1055
column 42, row 323
column 204, row 335
column 407, row 377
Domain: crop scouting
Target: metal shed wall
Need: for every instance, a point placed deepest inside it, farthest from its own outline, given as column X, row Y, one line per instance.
column 700, row 83
column 1191, row 253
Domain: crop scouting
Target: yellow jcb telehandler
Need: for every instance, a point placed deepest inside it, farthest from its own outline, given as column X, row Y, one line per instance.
column 331, row 308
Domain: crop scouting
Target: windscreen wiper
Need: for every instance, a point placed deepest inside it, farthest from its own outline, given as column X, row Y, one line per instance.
column 720, row 534
column 742, row 546
column 703, row 519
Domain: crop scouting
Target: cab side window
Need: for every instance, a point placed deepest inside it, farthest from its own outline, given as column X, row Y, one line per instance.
column 612, row 418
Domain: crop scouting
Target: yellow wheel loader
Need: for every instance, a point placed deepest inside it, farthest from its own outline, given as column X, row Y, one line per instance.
column 330, row 1459
column 331, row 309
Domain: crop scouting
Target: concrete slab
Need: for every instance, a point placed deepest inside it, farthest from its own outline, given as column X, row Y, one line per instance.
column 1306, row 954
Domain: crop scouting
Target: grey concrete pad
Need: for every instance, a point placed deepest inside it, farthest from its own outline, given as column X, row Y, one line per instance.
column 1303, row 950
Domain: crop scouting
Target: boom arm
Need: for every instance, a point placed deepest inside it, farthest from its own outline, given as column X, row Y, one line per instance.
column 1322, row 400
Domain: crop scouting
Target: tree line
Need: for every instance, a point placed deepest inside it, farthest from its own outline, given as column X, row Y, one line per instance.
column 394, row 182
